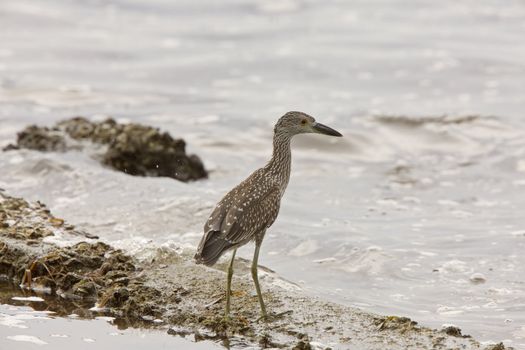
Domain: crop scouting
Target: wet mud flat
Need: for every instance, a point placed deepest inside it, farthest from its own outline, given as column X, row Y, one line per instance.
column 167, row 289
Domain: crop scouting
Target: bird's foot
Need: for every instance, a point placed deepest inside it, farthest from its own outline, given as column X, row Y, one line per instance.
column 228, row 320
column 272, row 317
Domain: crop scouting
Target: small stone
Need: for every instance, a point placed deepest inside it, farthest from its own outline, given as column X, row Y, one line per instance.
column 477, row 278
column 302, row 345
column 85, row 288
column 10, row 147
column 452, row 330
column 57, row 222
column 181, row 332
column 498, row 346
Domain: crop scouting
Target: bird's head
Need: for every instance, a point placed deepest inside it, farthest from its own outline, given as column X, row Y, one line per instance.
column 293, row 123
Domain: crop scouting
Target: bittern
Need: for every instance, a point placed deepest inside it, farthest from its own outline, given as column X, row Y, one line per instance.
column 248, row 210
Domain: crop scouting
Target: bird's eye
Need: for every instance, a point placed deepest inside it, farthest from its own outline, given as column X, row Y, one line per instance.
column 303, row 122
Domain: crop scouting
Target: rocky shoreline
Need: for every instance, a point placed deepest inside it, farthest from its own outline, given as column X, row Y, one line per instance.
column 167, row 288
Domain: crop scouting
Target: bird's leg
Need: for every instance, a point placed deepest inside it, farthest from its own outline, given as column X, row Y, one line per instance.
column 229, row 284
column 256, row 279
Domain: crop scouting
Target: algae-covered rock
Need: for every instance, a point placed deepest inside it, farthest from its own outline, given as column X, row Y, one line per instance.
column 454, row 331
column 131, row 148
column 80, row 128
column 40, row 139
column 142, row 150
column 402, row 324
column 20, row 219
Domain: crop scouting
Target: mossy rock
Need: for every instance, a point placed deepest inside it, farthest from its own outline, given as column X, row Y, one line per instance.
column 134, row 149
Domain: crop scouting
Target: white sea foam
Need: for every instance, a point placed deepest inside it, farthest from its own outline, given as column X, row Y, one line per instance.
column 32, row 298
column 305, row 248
column 26, row 338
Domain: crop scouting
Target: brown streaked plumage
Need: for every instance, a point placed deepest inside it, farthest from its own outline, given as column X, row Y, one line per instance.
column 251, row 207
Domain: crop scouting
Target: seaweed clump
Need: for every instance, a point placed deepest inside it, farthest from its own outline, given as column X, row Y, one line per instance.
column 403, row 324
column 87, row 272
column 132, row 148
column 498, row 346
column 40, row 139
column 454, row 331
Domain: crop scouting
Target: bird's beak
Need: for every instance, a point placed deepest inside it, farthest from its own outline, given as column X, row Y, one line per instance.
column 325, row 130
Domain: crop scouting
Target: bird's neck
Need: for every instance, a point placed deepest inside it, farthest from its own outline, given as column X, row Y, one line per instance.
column 280, row 164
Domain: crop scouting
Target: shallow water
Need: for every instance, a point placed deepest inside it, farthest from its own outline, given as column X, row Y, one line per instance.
column 418, row 217
column 28, row 324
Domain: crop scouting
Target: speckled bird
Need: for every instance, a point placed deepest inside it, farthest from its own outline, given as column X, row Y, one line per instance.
column 248, row 210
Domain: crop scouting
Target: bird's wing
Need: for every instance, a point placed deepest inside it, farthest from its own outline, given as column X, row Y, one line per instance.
column 243, row 213
column 219, row 213
column 250, row 214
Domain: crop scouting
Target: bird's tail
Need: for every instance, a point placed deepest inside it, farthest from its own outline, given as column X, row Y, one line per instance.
column 211, row 248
